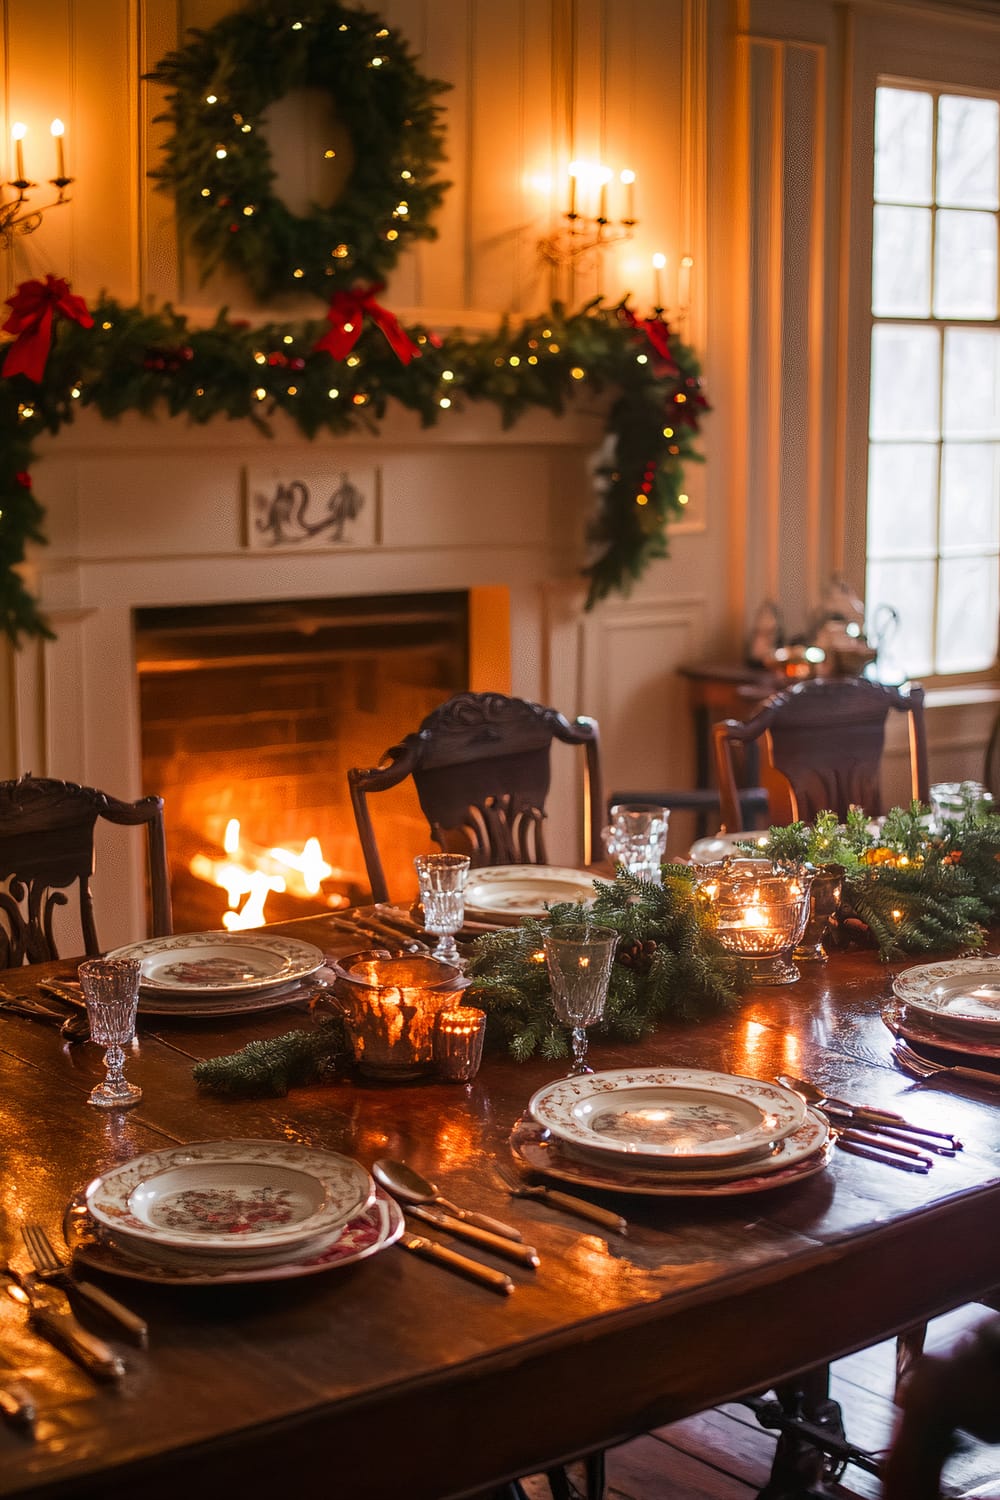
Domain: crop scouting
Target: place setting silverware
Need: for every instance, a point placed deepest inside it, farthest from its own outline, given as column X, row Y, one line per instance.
column 50, row 1267
column 463, row 1265
column 519, row 1187
column 50, row 1315
column 926, row 1070
column 882, row 1122
column 402, row 1182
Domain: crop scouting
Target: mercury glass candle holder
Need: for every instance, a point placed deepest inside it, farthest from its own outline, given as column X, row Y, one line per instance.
column 390, row 1003
column 760, row 912
column 458, row 1043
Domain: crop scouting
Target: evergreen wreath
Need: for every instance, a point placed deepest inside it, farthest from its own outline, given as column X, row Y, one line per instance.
column 219, row 167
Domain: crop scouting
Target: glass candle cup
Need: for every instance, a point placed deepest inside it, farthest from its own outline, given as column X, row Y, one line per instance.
column 458, row 1043
column 760, row 913
column 111, row 993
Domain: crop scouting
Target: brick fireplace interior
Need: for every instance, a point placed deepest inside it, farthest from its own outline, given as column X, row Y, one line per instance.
column 255, row 712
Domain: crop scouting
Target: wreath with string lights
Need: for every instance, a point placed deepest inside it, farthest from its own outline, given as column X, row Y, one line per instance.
column 218, row 163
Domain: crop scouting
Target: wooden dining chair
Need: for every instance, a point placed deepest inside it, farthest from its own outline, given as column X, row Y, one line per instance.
column 820, row 747
column 481, row 767
column 47, row 847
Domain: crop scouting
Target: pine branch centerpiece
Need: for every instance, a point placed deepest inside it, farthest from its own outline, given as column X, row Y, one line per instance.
column 908, row 887
column 668, row 964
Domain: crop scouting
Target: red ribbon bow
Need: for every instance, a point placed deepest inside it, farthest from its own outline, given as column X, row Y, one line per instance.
column 657, row 332
column 346, row 316
column 34, row 308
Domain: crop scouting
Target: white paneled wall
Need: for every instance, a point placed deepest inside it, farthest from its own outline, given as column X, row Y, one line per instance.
column 744, row 121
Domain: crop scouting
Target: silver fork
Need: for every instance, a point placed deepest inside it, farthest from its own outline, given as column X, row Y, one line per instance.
column 50, row 1266
column 912, row 1062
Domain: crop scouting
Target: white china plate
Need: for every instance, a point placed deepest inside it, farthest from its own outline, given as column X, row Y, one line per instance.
column 509, row 892
column 668, row 1115
column 717, row 846
column 960, row 994
column 365, row 1234
column 230, row 1197
column 240, row 1259
column 800, row 1155
column 193, row 1005
column 221, row 963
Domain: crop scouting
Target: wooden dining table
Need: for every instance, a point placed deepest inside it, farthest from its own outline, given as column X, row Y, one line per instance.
column 394, row 1377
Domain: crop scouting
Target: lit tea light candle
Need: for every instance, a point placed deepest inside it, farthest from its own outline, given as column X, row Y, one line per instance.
column 458, row 1043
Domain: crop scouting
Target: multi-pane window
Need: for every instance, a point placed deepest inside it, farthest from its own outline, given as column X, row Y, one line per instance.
column 934, row 423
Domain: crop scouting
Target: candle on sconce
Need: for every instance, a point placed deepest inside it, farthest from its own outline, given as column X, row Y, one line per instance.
column 627, row 178
column 684, row 282
column 19, row 131
column 659, row 261
column 574, row 168
column 58, row 130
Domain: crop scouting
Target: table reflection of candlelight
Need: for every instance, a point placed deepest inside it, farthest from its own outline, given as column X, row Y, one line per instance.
column 458, row 1043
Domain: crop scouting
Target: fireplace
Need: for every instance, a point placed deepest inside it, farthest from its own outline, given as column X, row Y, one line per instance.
column 251, row 715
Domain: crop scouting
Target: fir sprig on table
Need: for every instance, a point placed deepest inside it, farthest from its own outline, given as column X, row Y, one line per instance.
column 668, row 964
column 274, row 1066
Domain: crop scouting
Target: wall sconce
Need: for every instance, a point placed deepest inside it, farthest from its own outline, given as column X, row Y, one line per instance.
column 17, row 216
column 588, row 225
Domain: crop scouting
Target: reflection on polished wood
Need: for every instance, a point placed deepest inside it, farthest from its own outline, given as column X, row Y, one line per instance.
column 295, row 1384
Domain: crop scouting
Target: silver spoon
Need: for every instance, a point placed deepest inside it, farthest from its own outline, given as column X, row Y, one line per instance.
column 403, row 1182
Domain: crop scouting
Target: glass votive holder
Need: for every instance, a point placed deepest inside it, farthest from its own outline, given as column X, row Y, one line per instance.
column 458, row 1043
column 824, row 899
column 760, row 913
column 951, row 801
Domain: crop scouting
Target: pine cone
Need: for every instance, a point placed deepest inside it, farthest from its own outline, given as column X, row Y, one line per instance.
column 637, row 955
column 847, row 928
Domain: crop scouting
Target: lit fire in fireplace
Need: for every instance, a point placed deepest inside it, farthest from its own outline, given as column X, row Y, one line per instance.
column 250, row 873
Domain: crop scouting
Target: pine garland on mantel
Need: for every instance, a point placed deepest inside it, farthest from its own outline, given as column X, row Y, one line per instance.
column 152, row 361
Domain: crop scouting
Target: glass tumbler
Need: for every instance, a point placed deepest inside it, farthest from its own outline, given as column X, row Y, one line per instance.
column 637, row 838
column 442, row 880
column 111, row 992
column 579, row 959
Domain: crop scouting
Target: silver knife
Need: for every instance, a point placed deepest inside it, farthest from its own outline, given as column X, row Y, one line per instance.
column 497, row 1281
column 522, row 1255
column 50, row 1315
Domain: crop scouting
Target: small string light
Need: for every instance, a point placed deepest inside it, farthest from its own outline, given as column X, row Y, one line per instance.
column 392, row 234
column 260, row 358
column 211, row 98
column 683, row 499
column 298, row 273
column 680, row 398
column 553, row 348
column 642, row 359
column 668, row 432
column 333, row 393
column 329, row 154
column 447, row 375
column 515, row 361
column 260, row 393
column 577, row 373
column 360, row 399
column 288, row 339
column 76, row 393
column 221, row 153
column 642, row 499
column 340, row 252
column 406, row 176
column 249, row 211
column 532, row 359
column 293, row 390
column 206, row 192
column 106, row 326
column 445, row 401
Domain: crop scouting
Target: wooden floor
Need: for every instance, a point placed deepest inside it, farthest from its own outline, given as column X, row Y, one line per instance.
column 724, row 1455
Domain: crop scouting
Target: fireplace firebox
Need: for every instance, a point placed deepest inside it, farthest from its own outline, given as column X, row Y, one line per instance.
column 251, row 716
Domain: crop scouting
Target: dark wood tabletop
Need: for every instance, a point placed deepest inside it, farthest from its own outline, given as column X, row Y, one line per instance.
column 394, row 1377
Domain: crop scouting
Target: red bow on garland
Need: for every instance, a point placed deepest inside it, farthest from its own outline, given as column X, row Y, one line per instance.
column 656, row 331
column 346, row 316
column 34, row 308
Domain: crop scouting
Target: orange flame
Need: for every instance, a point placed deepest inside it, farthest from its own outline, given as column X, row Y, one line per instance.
column 253, row 873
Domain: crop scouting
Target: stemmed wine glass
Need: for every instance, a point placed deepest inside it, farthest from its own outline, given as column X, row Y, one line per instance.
column 111, row 991
column 442, row 880
column 579, row 959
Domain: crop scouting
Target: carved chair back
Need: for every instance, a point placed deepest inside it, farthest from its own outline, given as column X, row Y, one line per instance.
column 47, row 847
column 821, row 745
column 480, row 764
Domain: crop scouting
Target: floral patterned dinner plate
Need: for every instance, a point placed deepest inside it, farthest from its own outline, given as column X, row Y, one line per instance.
column 364, row 1235
column 960, row 994
column 676, row 1116
column 230, row 1197
column 221, row 963
column 800, row 1155
column 506, row 893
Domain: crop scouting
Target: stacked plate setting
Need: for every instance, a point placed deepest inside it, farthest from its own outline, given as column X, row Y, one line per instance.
column 503, row 894
column 952, row 1007
column 247, row 1210
column 221, row 973
column 677, row 1132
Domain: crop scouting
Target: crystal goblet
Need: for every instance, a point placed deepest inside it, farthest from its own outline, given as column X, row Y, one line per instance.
column 111, row 992
column 637, row 838
column 442, row 880
column 579, row 959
